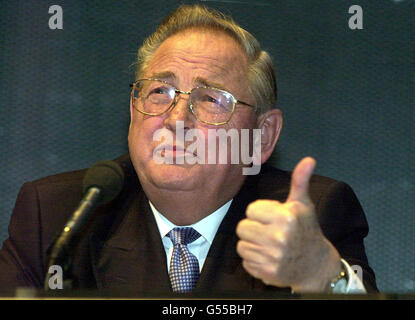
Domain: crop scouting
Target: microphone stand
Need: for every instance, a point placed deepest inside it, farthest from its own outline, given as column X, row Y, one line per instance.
column 63, row 246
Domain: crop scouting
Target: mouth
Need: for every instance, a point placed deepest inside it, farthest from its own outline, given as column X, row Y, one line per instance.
column 174, row 151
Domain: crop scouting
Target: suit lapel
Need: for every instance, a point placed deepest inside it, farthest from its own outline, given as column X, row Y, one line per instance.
column 223, row 269
column 133, row 258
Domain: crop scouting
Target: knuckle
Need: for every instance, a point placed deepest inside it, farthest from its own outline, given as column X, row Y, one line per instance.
column 241, row 248
column 253, row 207
column 290, row 218
column 275, row 254
column 271, row 271
column 241, row 226
column 295, row 207
column 298, row 208
column 252, row 271
column 277, row 238
column 262, row 205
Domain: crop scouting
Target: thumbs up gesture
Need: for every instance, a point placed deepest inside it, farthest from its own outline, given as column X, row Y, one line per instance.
column 282, row 243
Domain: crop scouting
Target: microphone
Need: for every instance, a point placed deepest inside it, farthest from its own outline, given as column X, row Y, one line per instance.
column 102, row 183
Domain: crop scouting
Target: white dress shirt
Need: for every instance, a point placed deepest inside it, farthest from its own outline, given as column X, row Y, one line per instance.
column 208, row 227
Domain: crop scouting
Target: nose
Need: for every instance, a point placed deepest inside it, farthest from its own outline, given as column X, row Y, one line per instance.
column 180, row 112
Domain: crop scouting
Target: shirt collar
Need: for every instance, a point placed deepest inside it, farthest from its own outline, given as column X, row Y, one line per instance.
column 207, row 227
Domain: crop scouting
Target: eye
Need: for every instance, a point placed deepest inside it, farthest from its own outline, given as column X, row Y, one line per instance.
column 208, row 98
column 160, row 90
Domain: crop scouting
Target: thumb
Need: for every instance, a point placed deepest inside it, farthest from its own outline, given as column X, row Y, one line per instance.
column 300, row 180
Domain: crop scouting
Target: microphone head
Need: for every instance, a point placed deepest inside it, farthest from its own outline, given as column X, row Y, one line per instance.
column 108, row 177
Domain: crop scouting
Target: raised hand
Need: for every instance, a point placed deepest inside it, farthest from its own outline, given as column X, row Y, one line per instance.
column 282, row 243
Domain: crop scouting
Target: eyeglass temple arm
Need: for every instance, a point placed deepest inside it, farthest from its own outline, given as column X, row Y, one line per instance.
column 246, row 104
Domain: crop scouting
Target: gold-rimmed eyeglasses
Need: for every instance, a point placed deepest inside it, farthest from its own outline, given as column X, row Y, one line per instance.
column 209, row 105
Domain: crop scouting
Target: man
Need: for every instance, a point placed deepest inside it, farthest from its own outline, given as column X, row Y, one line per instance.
column 268, row 232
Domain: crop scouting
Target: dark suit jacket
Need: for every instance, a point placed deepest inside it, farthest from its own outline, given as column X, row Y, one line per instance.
column 121, row 249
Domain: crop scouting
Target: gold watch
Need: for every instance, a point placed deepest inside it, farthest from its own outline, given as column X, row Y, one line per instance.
column 339, row 283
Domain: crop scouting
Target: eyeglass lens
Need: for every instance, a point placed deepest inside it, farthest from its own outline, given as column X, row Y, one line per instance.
column 207, row 104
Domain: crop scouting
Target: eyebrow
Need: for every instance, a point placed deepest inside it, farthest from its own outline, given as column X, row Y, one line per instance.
column 199, row 81
column 164, row 75
column 208, row 83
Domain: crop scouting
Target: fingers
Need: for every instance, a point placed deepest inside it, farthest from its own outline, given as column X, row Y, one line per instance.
column 248, row 230
column 266, row 211
column 260, row 234
column 263, row 267
column 251, row 252
column 266, row 273
column 300, row 181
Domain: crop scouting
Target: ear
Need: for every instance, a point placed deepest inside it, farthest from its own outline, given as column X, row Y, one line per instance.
column 270, row 124
column 131, row 110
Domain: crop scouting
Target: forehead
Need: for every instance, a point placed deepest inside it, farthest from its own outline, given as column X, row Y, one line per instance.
column 199, row 53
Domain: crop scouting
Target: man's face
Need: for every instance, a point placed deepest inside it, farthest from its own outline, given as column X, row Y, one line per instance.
column 186, row 60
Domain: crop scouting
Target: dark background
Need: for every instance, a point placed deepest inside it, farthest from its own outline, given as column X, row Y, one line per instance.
column 347, row 98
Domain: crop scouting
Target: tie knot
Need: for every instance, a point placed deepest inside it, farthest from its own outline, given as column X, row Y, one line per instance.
column 183, row 235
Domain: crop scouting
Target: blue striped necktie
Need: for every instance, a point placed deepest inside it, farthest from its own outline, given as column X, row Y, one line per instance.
column 184, row 266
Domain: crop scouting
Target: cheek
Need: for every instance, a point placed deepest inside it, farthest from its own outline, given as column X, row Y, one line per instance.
column 243, row 119
column 140, row 137
column 224, row 146
column 244, row 123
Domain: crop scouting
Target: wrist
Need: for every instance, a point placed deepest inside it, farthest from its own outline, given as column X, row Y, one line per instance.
column 327, row 268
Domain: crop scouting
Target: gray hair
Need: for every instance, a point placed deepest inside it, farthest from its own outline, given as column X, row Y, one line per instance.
column 261, row 74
